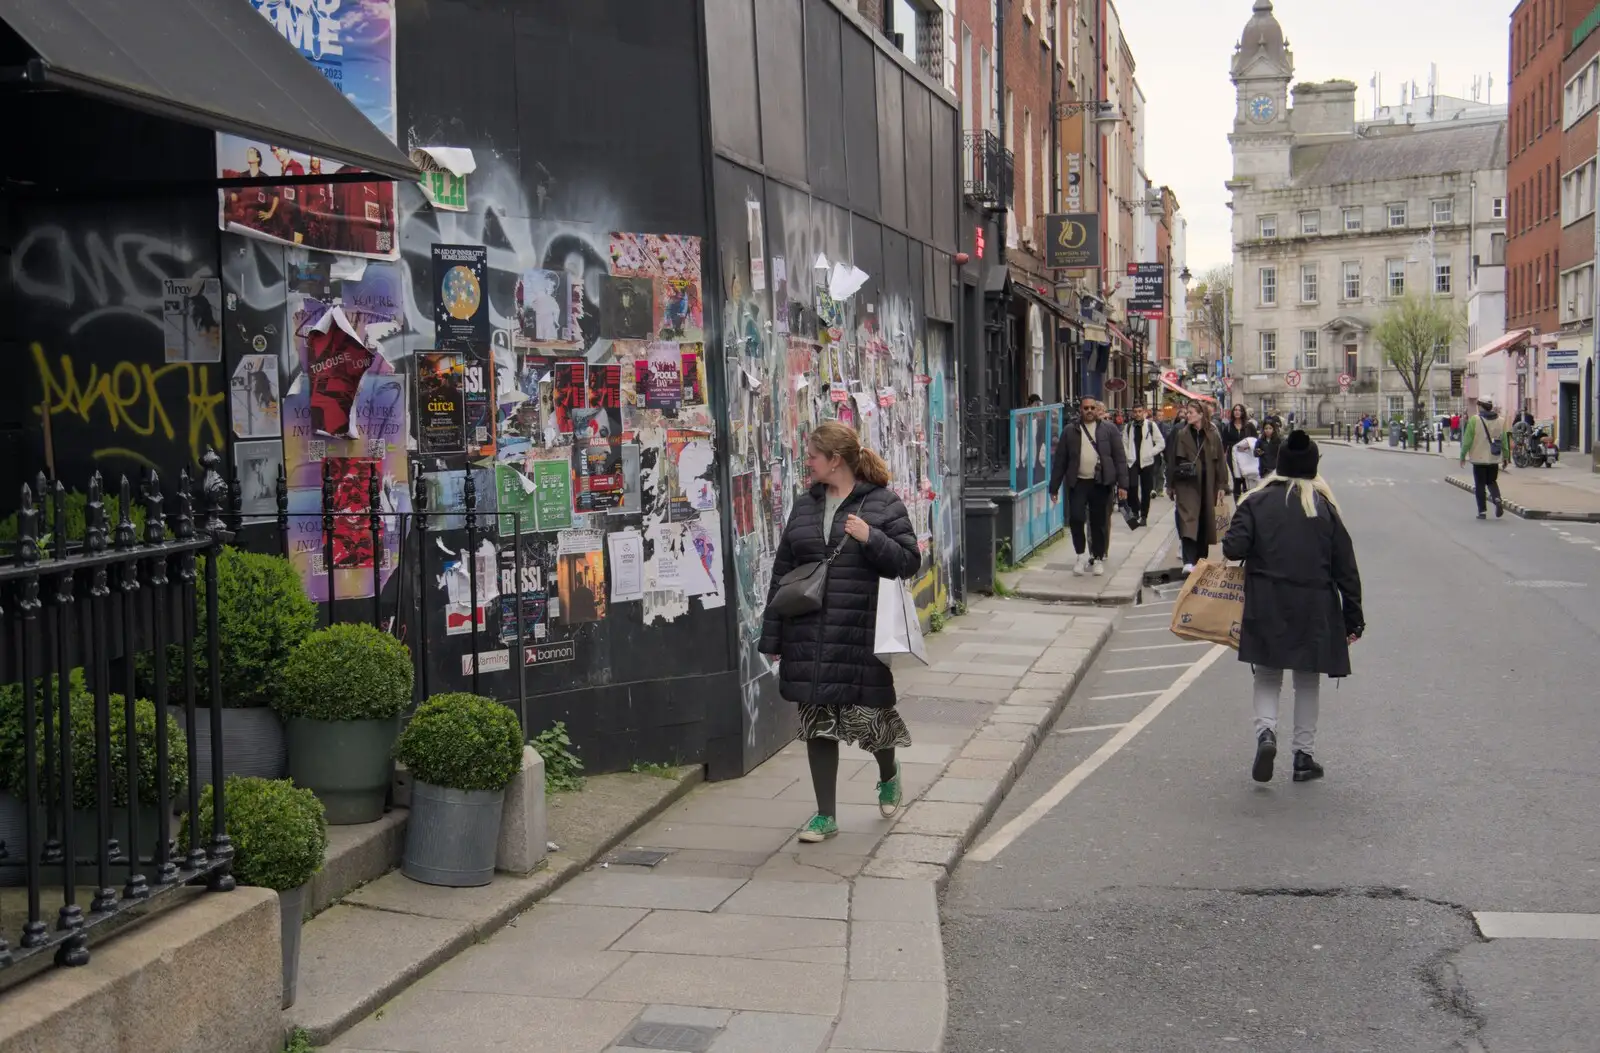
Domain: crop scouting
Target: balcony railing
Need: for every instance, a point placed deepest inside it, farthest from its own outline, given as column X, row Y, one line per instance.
column 987, row 170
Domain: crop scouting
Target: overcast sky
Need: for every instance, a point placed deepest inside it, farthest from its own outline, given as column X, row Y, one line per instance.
column 1182, row 49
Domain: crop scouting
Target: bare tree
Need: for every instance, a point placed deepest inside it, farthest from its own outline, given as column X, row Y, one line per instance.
column 1214, row 294
column 1411, row 334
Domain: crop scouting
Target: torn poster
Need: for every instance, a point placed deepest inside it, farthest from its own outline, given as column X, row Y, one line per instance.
column 256, row 466
column 845, row 281
column 336, row 359
column 527, row 581
column 744, row 504
column 581, row 576
column 253, row 398
column 670, row 254
column 543, row 310
column 552, row 493
column 353, row 541
column 631, row 504
column 780, row 296
column 441, row 402
column 693, row 369
column 517, row 429
column 758, row 245
column 516, row 500
column 460, row 615
column 627, row 565
column 691, row 458
column 444, row 175
column 695, row 552
column 570, row 393
column 627, row 307
column 663, row 377
column 679, row 315
column 447, row 497
column 461, row 307
column 597, row 460
column 191, row 319
column 478, row 398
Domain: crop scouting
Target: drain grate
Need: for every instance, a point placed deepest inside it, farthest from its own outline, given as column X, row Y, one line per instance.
column 680, row 1038
column 638, row 857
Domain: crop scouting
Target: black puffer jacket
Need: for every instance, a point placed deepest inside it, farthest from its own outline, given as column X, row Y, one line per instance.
column 827, row 657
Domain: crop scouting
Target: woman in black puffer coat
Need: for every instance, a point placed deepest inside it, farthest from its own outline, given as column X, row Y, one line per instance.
column 827, row 662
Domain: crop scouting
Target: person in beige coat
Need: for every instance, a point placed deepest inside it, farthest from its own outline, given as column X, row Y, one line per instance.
column 1483, row 442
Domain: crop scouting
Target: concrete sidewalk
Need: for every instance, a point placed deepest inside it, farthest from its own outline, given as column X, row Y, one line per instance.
column 1047, row 573
column 713, row 931
column 1543, row 493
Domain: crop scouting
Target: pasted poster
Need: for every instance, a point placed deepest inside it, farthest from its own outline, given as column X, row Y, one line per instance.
column 690, row 459
column 477, row 388
column 336, row 358
column 253, row 401
column 256, row 466
column 627, row 308
column 517, row 425
column 461, row 306
column 463, row 586
column 354, row 479
column 441, row 403
column 627, row 565
column 569, row 392
column 605, row 387
column 597, row 460
column 581, row 575
column 191, row 319
column 679, row 315
column 543, row 310
column 552, row 494
column 631, row 500
column 447, row 498
column 515, row 498
column 352, row 44
column 527, row 577
column 663, row 377
column 693, row 359
column 744, row 504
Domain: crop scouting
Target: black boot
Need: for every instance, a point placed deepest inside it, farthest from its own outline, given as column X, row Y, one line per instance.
column 1266, row 753
column 1306, row 767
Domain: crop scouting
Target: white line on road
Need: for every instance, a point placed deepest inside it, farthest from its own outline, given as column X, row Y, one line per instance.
column 1157, row 629
column 1125, row 694
column 1089, row 727
column 1074, row 778
column 1159, row 646
column 1144, row 617
column 1146, row 668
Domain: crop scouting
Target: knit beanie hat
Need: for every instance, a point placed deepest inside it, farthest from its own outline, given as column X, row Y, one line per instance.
column 1299, row 457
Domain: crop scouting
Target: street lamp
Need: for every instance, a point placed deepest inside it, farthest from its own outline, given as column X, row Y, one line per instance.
column 1104, row 111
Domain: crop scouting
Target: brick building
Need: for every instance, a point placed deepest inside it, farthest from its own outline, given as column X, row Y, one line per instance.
column 1533, row 228
column 1573, row 364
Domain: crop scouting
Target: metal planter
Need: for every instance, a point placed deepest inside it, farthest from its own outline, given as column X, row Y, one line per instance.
column 451, row 835
column 253, row 742
column 13, row 840
column 291, row 916
column 346, row 763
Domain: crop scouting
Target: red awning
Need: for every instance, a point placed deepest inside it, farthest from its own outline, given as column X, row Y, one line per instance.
column 1120, row 335
column 1511, row 339
column 1185, row 392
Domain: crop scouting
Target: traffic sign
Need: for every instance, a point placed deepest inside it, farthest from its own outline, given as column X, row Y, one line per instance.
column 1293, row 379
column 1227, row 383
column 1170, row 376
column 1344, row 382
column 1116, row 384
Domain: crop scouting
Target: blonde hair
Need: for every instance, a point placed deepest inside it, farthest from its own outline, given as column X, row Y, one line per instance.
column 1307, row 489
column 837, row 439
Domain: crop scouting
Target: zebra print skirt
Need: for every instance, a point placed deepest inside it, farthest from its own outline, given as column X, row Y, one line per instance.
column 869, row 728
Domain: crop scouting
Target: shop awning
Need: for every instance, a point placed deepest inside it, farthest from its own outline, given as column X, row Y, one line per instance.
column 1511, row 339
column 1185, row 392
column 1120, row 335
column 213, row 63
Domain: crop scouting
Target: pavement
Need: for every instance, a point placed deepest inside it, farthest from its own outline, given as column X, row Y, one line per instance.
column 1562, row 492
column 710, row 930
column 1137, row 892
column 1047, row 572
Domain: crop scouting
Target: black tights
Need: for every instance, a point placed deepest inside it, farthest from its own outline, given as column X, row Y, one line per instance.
column 824, row 757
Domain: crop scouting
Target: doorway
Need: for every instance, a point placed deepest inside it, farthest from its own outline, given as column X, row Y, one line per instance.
column 1588, row 402
column 1571, row 412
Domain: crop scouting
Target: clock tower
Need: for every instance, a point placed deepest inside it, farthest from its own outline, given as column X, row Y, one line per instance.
column 1262, row 68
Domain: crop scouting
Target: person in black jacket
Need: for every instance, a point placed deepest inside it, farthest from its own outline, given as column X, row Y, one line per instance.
column 828, row 664
column 1302, row 598
column 1268, row 446
column 1090, row 461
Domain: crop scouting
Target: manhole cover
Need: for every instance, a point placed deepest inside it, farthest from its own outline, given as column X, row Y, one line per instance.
column 1549, row 584
column 639, row 857
column 681, row 1038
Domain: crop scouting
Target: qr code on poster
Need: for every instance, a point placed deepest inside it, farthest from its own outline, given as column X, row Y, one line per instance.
column 319, row 563
column 385, row 240
column 376, row 448
column 317, row 449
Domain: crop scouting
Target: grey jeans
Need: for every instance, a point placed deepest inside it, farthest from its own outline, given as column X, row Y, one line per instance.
column 1307, row 695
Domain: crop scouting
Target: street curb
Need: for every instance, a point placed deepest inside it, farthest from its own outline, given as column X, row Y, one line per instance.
column 1524, row 512
column 1017, row 727
column 1122, row 589
column 1382, row 447
column 557, row 872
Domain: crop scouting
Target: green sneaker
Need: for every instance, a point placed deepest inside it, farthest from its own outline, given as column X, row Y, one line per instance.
column 820, row 828
column 889, row 795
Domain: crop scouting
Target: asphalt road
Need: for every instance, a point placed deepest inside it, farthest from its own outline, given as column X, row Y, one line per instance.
column 1168, row 903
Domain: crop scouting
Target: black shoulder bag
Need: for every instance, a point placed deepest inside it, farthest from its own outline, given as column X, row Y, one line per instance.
column 802, row 589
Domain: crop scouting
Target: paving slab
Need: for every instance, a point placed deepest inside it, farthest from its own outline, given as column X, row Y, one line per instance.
column 727, row 983
column 733, row 935
column 773, row 1033
column 895, row 1016
column 464, row 1022
column 658, row 892
column 790, row 899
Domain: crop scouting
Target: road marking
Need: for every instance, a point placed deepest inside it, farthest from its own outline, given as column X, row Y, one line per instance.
column 1140, row 617
column 1125, row 694
column 1074, row 778
column 1511, row 925
column 1146, row 668
column 1159, row 646
column 1088, row 727
column 1157, row 629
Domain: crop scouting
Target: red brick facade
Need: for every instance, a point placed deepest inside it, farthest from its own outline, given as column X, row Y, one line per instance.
column 1533, row 175
column 1578, row 140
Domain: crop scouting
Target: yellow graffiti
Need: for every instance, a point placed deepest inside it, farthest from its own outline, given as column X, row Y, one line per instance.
column 129, row 396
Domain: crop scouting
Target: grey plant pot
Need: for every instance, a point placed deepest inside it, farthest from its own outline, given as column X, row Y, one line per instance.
column 14, row 836
column 451, row 835
column 253, row 742
column 291, row 916
column 346, row 763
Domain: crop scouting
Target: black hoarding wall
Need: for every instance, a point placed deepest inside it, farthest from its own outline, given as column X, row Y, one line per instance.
column 880, row 355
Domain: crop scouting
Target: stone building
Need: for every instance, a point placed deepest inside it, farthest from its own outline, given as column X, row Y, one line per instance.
column 1335, row 220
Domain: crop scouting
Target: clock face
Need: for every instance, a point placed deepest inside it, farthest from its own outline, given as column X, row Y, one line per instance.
column 1262, row 109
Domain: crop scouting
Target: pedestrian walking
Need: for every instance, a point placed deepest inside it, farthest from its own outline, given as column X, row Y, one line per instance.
column 1197, row 474
column 1267, row 449
column 1090, row 463
column 1483, row 443
column 859, row 532
column 1246, row 466
column 1144, row 446
column 1232, row 430
column 1302, row 598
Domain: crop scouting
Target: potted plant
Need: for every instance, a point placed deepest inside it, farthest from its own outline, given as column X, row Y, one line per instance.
column 344, row 689
column 280, row 837
column 263, row 614
column 462, row 751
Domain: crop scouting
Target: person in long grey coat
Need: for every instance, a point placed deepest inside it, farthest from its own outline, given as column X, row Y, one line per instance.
column 1302, row 598
column 1197, row 474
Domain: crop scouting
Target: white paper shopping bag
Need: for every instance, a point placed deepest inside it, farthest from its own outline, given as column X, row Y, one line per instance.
column 897, row 630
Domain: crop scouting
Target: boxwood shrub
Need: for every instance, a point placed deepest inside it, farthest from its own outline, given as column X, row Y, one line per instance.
column 348, row 671
column 279, row 831
column 461, row 741
column 85, row 776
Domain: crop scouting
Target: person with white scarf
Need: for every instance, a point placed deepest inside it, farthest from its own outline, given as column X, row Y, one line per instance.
column 1145, row 446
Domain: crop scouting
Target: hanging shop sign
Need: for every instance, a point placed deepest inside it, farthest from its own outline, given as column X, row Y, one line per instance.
column 1073, row 240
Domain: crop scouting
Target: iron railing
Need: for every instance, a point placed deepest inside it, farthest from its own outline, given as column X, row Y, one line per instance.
column 987, row 170
column 93, row 603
